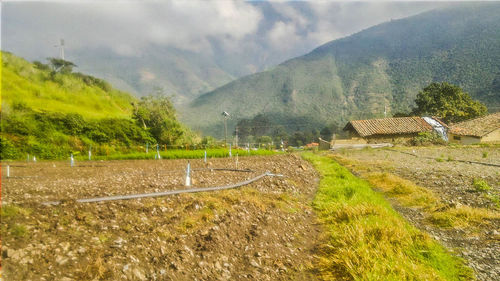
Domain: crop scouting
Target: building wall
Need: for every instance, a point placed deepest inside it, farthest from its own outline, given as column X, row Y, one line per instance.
column 492, row 137
column 350, row 141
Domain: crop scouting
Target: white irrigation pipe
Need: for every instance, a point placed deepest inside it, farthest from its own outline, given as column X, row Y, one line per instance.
column 171, row 192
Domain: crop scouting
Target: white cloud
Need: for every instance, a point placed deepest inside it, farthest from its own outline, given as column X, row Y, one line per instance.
column 233, row 30
column 283, row 36
column 185, row 25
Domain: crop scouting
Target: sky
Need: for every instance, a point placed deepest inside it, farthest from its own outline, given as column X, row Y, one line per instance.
column 264, row 33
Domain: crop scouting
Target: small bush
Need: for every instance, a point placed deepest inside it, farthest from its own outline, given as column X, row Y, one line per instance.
column 480, row 185
column 8, row 150
column 427, row 138
column 485, row 154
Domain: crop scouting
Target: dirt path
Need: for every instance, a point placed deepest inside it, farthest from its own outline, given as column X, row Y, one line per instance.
column 263, row 231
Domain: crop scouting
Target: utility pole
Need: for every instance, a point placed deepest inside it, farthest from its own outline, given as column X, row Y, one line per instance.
column 236, row 138
column 225, row 115
column 61, row 49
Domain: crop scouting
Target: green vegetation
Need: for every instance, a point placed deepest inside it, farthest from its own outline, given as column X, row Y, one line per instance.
column 448, row 102
column 10, row 213
column 268, row 128
column 185, row 154
column 356, row 76
column 427, row 138
column 368, row 239
column 157, row 115
column 24, row 85
column 480, row 185
column 50, row 112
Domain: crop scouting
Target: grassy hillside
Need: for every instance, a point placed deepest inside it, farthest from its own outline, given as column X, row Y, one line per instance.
column 23, row 84
column 50, row 113
column 355, row 77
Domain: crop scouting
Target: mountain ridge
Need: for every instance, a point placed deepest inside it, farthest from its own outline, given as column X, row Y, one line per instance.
column 358, row 75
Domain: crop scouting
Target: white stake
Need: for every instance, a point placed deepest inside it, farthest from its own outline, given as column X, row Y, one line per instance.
column 147, row 145
column 230, row 155
column 236, row 160
column 188, row 174
column 72, row 162
column 28, row 158
column 8, row 171
column 205, row 158
column 90, row 153
column 34, row 159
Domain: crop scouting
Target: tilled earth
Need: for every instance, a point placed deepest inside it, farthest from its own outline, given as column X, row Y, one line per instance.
column 262, row 231
column 452, row 181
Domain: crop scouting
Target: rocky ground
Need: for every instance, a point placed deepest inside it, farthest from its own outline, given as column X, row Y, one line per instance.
column 452, row 181
column 262, row 231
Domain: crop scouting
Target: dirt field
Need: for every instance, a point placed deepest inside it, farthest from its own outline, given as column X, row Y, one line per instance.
column 434, row 168
column 263, row 231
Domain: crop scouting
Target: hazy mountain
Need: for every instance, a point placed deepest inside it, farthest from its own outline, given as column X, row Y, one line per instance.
column 183, row 48
column 357, row 76
column 183, row 74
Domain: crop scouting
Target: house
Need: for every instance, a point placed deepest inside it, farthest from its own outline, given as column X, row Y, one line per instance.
column 484, row 129
column 312, row 145
column 393, row 130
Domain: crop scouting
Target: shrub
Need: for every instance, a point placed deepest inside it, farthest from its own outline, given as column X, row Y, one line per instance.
column 8, row 150
column 480, row 185
column 426, row 138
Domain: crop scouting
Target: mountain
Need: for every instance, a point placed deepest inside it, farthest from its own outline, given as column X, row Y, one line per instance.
column 182, row 74
column 358, row 76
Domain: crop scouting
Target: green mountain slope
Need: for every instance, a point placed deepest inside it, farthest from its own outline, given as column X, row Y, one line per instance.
column 25, row 85
column 50, row 112
column 357, row 76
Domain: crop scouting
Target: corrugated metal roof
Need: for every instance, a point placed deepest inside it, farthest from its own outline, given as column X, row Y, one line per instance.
column 389, row 126
column 477, row 127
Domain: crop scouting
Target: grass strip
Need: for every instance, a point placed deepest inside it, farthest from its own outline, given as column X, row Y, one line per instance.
column 183, row 154
column 368, row 240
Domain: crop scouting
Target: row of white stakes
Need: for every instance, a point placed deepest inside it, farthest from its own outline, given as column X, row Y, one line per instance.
column 188, row 169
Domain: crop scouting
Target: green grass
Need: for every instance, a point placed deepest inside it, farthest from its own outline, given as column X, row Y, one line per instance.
column 184, row 154
column 480, row 185
column 22, row 83
column 10, row 216
column 368, row 240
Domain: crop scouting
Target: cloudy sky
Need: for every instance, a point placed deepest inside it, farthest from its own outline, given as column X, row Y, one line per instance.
column 269, row 31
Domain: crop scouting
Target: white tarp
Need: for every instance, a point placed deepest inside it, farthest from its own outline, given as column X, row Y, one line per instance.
column 440, row 129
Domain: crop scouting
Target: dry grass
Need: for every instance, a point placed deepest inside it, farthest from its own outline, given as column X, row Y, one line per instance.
column 368, row 239
column 463, row 217
column 407, row 193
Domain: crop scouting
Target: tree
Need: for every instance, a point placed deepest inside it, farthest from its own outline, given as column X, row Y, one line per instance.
column 157, row 115
column 448, row 102
column 60, row 65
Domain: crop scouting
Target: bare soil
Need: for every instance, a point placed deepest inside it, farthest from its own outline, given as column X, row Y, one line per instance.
column 452, row 181
column 262, row 231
